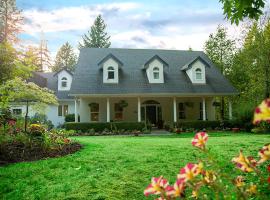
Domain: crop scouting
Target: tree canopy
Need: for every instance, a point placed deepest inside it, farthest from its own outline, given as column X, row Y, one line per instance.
column 237, row 10
column 97, row 37
column 65, row 58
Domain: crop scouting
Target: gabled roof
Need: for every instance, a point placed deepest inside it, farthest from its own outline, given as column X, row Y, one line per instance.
column 88, row 78
column 64, row 69
column 190, row 63
column 155, row 57
column 108, row 57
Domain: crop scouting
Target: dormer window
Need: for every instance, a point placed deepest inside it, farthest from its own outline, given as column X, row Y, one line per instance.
column 156, row 73
column 111, row 72
column 64, row 82
column 198, row 74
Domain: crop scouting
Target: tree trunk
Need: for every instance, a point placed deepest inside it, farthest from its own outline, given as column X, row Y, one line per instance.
column 26, row 116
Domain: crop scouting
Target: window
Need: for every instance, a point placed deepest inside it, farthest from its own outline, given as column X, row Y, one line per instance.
column 110, row 73
column 64, row 82
column 17, row 111
column 198, row 74
column 62, row 110
column 181, row 111
column 94, row 112
column 156, row 73
column 118, row 112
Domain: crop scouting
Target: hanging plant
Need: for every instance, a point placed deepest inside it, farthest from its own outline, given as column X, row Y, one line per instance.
column 123, row 103
column 215, row 103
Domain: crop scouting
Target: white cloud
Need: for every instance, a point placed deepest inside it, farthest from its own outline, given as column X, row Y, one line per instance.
column 69, row 18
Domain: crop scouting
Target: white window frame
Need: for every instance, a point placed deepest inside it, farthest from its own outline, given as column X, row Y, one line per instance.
column 198, row 72
column 64, row 82
column 95, row 112
column 156, row 73
column 111, row 69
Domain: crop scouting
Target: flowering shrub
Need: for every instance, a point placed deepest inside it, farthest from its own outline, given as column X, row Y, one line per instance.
column 197, row 178
column 36, row 130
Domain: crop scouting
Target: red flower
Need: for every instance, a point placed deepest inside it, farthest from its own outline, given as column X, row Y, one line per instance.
column 11, row 122
column 189, row 172
column 157, row 186
column 200, row 140
column 268, row 168
column 246, row 164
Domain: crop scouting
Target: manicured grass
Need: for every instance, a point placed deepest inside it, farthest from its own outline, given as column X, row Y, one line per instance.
column 116, row 167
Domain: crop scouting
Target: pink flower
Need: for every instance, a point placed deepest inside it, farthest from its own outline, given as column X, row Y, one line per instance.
column 246, row 164
column 177, row 190
column 189, row 172
column 264, row 153
column 200, row 140
column 157, row 186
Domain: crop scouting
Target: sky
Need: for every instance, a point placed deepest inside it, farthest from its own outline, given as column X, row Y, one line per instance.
column 170, row 24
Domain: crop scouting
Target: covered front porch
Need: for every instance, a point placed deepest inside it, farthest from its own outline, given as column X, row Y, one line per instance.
column 151, row 109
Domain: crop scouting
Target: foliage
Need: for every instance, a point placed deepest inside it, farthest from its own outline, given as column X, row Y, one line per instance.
column 65, row 58
column 206, row 179
column 220, row 49
column 11, row 20
column 118, row 168
column 100, row 126
column 11, row 66
column 41, row 119
column 36, row 130
column 236, row 10
column 70, row 118
column 97, row 37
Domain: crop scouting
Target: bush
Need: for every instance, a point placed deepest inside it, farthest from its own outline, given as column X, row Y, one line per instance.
column 36, row 130
column 70, row 118
column 100, row 126
column 41, row 119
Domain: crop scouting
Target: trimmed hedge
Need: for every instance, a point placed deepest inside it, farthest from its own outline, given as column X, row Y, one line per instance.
column 208, row 124
column 100, row 126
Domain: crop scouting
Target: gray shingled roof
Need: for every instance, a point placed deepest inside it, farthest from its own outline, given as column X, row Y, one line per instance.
column 88, row 78
column 49, row 80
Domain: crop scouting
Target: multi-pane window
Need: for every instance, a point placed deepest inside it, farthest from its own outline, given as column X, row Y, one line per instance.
column 111, row 72
column 156, row 73
column 94, row 112
column 64, row 82
column 118, row 112
column 198, row 74
column 181, row 111
column 17, row 111
column 62, row 110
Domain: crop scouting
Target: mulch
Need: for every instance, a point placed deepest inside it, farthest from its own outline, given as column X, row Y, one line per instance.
column 13, row 152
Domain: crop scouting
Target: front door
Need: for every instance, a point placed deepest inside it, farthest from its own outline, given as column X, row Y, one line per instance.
column 151, row 114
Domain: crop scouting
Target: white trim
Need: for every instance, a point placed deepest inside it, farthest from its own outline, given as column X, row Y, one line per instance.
column 174, row 110
column 139, row 109
column 75, row 111
column 204, row 110
column 108, row 110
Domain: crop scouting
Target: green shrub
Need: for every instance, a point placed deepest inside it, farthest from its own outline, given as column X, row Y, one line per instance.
column 70, row 118
column 100, row 126
column 41, row 119
column 244, row 116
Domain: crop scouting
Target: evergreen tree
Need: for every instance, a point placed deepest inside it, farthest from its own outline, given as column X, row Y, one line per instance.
column 43, row 54
column 10, row 21
column 65, row 58
column 97, row 37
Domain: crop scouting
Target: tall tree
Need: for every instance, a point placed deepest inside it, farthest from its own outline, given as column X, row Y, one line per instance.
column 10, row 21
column 43, row 54
column 65, row 58
column 237, row 10
column 97, row 37
column 220, row 50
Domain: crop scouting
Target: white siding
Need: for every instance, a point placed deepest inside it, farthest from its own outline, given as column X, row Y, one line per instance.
column 110, row 63
column 192, row 75
column 149, row 72
column 64, row 74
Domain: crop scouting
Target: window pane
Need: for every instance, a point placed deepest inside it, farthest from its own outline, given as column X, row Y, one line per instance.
column 181, row 107
column 117, row 107
column 60, row 111
column 94, row 117
column 64, row 84
column 156, row 75
column 110, row 75
column 182, row 115
column 94, row 107
column 198, row 75
column 65, row 110
column 17, row 111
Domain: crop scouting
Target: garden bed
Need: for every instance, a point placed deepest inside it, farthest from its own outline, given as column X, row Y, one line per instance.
column 12, row 152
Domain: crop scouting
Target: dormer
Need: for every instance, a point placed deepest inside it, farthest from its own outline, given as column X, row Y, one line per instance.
column 64, row 78
column 196, row 70
column 110, row 65
column 155, row 69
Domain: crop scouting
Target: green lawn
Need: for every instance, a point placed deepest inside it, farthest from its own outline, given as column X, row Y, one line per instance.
column 116, row 167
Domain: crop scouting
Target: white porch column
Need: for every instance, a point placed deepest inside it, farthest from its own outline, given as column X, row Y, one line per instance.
column 139, row 109
column 174, row 110
column 75, row 110
column 230, row 109
column 108, row 110
column 204, row 110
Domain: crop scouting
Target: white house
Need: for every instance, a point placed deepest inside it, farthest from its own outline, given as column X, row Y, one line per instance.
column 154, row 85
